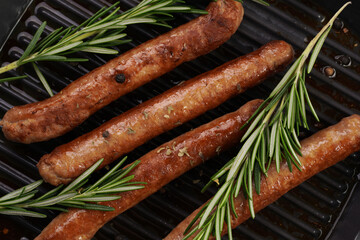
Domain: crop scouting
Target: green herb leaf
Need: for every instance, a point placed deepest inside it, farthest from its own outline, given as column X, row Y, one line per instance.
column 100, row 199
column 98, row 50
column 317, row 49
column 64, row 48
column 107, row 39
column 42, row 79
column 33, row 42
column 23, row 190
column 52, row 201
column 17, row 200
column 53, row 58
column 12, row 78
column 22, row 212
column 82, row 177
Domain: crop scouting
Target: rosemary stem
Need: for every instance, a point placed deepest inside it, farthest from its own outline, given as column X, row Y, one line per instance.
column 9, row 67
column 17, row 64
column 316, row 38
column 313, row 42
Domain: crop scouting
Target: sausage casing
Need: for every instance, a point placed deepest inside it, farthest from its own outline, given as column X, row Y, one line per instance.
column 133, row 128
column 61, row 113
column 157, row 168
column 320, row 151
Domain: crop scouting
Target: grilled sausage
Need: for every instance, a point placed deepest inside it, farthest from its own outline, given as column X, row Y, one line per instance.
column 58, row 115
column 133, row 128
column 157, row 168
column 320, row 151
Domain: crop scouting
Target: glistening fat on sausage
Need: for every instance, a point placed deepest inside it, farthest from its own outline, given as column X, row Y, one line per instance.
column 320, row 151
column 157, row 168
column 133, row 128
column 61, row 113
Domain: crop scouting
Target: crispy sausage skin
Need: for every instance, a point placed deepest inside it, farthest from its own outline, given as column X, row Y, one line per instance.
column 58, row 115
column 157, row 168
column 320, row 151
column 133, row 128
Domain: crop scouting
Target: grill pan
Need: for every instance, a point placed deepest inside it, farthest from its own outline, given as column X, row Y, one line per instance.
column 324, row 207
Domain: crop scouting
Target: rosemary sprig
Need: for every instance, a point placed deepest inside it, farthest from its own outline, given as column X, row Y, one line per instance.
column 74, row 195
column 96, row 35
column 272, row 136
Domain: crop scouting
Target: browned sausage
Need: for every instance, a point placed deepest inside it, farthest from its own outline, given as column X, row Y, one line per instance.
column 157, row 168
column 320, row 151
column 124, row 133
column 58, row 115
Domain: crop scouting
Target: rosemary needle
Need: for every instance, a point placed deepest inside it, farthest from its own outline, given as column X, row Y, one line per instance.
column 75, row 194
column 96, row 35
column 271, row 136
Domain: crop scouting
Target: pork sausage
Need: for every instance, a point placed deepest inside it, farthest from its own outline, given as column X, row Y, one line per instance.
column 157, row 168
column 61, row 113
column 320, row 151
column 133, row 128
